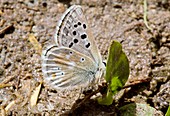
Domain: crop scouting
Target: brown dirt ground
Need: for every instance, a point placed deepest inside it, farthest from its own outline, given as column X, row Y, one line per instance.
column 147, row 51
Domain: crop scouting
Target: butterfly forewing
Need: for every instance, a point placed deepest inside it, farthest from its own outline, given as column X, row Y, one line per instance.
column 73, row 32
column 65, row 68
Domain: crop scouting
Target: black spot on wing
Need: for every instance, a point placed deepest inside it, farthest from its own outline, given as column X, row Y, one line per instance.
column 70, row 45
column 74, row 33
column 70, row 52
column 75, row 25
column 79, row 23
column 82, row 59
column 84, row 26
column 87, row 45
column 83, row 36
column 75, row 40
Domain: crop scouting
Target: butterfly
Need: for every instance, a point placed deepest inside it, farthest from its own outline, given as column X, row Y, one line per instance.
column 74, row 60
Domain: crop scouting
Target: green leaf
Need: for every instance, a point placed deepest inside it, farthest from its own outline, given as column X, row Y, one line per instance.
column 168, row 111
column 117, row 72
column 115, row 85
column 117, row 64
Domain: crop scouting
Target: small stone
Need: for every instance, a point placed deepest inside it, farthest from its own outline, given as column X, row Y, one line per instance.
column 148, row 93
column 61, row 7
column 163, row 39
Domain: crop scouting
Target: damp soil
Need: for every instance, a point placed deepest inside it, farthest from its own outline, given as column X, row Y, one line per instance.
column 148, row 52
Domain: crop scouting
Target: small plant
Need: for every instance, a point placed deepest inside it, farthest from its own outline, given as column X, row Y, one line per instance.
column 117, row 72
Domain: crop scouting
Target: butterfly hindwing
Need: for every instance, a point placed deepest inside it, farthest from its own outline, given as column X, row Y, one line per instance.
column 65, row 68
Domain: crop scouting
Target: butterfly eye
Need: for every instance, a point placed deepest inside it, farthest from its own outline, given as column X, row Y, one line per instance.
column 82, row 59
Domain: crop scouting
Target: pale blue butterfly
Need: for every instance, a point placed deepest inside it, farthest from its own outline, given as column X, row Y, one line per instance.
column 75, row 60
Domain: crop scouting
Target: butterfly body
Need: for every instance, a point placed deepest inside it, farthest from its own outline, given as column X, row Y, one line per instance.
column 75, row 60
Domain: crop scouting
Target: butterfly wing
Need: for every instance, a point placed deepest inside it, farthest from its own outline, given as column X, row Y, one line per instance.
column 73, row 32
column 65, row 68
